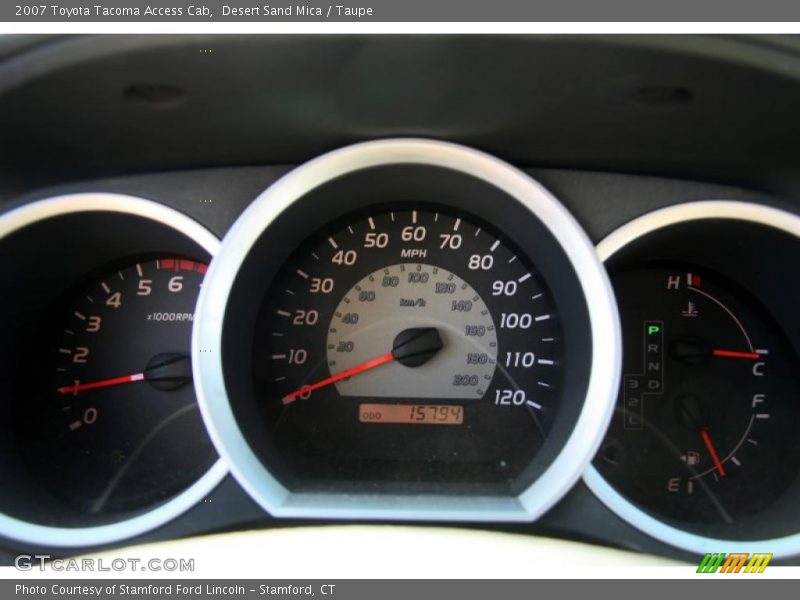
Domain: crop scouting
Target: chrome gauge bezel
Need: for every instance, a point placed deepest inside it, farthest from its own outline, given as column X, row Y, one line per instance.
column 207, row 344
column 607, row 249
column 40, row 211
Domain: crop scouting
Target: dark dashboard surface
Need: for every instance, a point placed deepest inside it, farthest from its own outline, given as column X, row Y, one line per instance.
column 614, row 127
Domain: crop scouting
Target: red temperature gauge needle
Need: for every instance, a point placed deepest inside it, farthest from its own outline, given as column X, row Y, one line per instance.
column 74, row 389
column 713, row 453
column 365, row 366
column 735, row 354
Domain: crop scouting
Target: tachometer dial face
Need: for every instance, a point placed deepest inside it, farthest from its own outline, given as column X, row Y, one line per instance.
column 117, row 428
column 703, row 431
column 408, row 345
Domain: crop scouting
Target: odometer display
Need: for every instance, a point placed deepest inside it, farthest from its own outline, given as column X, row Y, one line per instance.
column 422, row 414
column 401, row 317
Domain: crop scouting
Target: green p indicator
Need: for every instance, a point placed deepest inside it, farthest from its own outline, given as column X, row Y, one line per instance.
column 653, row 329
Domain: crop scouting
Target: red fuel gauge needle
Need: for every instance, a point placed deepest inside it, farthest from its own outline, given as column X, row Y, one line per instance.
column 735, row 354
column 365, row 366
column 74, row 389
column 713, row 453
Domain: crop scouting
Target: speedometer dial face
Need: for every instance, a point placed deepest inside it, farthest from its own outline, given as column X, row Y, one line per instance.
column 117, row 428
column 408, row 345
column 406, row 329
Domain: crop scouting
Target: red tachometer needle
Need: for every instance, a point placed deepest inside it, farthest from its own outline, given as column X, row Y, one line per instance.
column 713, row 453
column 73, row 389
column 365, row 366
column 735, row 354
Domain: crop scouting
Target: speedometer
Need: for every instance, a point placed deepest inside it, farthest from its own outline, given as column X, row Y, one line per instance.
column 405, row 318
column 406, row 329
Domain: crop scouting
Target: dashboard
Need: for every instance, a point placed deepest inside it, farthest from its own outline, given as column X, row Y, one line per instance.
column 541, row 285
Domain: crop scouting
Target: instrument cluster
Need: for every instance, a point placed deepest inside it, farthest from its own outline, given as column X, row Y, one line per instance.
column 402, row 329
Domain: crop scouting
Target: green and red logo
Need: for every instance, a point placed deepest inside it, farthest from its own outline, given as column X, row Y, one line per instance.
column 737, row 562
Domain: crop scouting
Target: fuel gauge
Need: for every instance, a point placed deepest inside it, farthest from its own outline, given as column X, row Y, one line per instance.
column 705, row 425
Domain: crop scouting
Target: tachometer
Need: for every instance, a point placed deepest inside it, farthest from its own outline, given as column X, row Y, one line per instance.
column 103, row 439
column 120, row 429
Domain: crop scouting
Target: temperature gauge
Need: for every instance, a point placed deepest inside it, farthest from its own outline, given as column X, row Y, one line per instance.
column 704, row 426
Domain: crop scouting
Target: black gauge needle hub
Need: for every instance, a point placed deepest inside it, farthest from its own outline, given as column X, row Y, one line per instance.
column 691, row 412
column 690, row 351
column 417, row 345
column 168, row 371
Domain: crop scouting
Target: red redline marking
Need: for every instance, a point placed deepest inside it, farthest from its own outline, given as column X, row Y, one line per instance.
column 735, row 354
column 180, row 264
column 713, row 453
column 72, row 389
column 365, row 366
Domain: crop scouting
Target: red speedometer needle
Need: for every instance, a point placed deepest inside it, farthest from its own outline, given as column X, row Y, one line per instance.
column 713, row 453
column 365, row 366
column 735, row 354
column 74, row 389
